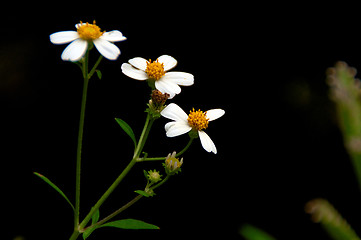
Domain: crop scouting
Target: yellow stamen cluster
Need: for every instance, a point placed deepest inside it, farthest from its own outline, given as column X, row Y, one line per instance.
column 155, row 70
column 89, row 31
column 198, row 120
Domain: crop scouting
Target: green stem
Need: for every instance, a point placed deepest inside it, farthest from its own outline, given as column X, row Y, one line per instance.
column 163, row 158
column 147, row 126
column 161, row 183
column 75, row 235
column 127, row 205
column 80, row 140
column 95, row 66
column 106, row 194
column 143, row 137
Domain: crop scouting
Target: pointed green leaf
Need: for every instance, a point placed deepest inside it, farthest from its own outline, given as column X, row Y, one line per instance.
column 143, row 193
column 45, row 179
column 88, row 231
column 95, row 217
column 127, row 129
column 145, row 174
column 130, row 224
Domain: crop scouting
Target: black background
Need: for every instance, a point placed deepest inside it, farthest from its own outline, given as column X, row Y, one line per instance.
column 278, row 143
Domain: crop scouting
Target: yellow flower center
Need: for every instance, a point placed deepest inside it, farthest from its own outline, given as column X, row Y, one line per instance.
column 198, row 120
column 89, row 31
column 155, row 70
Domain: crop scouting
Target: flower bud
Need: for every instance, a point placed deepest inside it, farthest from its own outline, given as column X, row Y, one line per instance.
column 156, row 103
column 158, row 98
column 154, row 176
column 172, row 164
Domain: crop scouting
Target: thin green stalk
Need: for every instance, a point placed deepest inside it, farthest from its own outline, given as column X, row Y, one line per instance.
column 127, row 205
column 161, row 183
column 95, row 66
column 75, row 235
column 143, row 137
column 115, row 213
column 106, row 195
column 80, row 140
column 163, row 158
column 147, row 126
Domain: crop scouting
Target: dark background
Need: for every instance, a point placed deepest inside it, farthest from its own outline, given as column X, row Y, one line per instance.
column 278, row 143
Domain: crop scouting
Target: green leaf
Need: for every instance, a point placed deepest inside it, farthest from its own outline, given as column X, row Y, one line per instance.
column 130, row 224
column 145, row 174
column 143, row 193
column 88, row 231
column 55, row 187
column 99, row 74
column 250, row 232
column 127, row 129
column 95, row 217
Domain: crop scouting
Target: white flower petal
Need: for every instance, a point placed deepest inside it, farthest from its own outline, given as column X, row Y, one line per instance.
column 107, row 49
column 207, row 142
column 180, row 78
column 75, row 50
column 113, row 36
column 214, row 114
column 168, row 125
column 166, row 86
column 168, row 61
column 174, row 112
column 177, row 128
column 139, row 63
column 63, row 37
column 134, row 73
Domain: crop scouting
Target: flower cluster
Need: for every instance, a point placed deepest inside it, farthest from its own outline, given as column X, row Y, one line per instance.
column 164, row 83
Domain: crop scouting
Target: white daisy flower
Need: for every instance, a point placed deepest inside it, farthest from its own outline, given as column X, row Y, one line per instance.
column 80, row 39
column 195, row 121
column 157, row 71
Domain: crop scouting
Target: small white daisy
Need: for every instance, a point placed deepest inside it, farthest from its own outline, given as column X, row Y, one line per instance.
column 195, row 121
column 80, row 39
column 157, row 71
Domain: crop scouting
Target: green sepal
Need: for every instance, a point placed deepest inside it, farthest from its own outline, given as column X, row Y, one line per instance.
column 127, row 129
column 130, row 224
column 193, row 134
column 154, row 112
column 45, row 179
